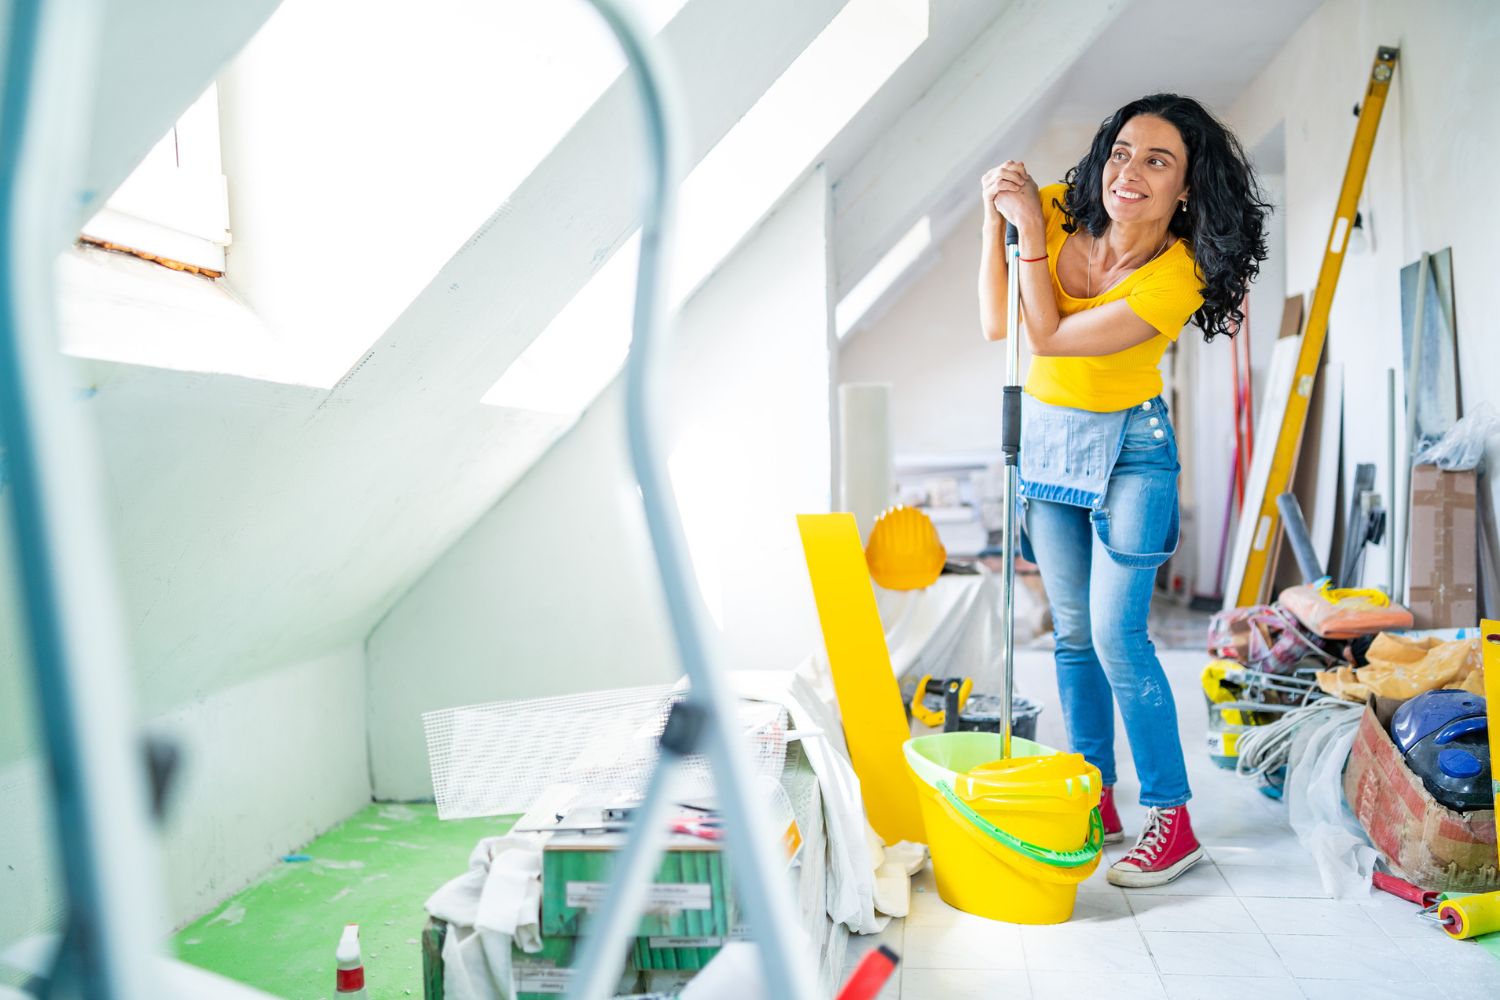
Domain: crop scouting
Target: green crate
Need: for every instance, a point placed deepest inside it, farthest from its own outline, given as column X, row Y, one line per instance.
column 690, row 896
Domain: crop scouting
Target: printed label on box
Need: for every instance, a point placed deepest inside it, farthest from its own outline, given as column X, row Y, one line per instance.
column 663, row 895
column 685, row 942
column 541, row 979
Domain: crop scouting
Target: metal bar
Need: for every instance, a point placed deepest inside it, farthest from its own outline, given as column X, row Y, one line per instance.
column 1243, row 420
column 1296, row 534
column 1249, row 391
column 1390, row 458
column 72, row 614
column 1229, row 509
column 752, row 845
column 1010, row 447
column 1398, row 526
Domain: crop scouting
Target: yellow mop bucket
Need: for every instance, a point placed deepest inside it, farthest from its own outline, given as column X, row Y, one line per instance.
column 1011, row 839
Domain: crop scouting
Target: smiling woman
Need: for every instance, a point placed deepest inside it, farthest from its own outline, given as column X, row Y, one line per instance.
column 1161, row 221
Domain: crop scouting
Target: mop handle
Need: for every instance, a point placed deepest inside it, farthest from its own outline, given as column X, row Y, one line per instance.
column 1010, row 450
column 1010, row 417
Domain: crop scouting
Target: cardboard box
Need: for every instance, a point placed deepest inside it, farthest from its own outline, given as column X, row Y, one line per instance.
column 690, row 895
column 1424, row 841
column 1444, row 560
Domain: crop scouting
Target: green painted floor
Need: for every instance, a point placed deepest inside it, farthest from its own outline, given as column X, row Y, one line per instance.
column 375, row 869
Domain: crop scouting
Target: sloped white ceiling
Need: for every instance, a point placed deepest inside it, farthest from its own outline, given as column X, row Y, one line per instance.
column 258, row 523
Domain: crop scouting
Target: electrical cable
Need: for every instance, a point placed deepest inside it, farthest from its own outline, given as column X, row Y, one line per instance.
column 1265, row 749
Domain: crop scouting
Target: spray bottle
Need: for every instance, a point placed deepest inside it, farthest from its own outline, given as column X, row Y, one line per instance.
column 351, row 975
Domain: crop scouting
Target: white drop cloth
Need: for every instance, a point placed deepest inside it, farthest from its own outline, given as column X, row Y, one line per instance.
column 497, row 901
column 948, row 629
column 852, row 865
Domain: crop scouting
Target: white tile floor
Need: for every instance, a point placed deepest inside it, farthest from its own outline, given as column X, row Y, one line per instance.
column 1251, row 922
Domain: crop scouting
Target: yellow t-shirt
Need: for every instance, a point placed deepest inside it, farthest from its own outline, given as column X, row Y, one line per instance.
column 1165, row 293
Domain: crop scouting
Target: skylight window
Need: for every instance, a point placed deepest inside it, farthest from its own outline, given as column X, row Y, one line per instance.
column 363, row 154
column 369, row 174
column 722, row 199
column 872, row 288
column 173, row 208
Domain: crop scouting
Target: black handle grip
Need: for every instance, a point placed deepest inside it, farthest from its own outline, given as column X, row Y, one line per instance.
column 950, row 705
column 1012, row 235
column 1010, row 424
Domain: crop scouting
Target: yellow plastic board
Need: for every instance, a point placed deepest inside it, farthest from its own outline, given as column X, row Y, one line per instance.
column 875, row 725
column 1489, row 642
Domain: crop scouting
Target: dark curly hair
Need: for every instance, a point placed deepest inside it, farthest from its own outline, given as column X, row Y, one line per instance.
column 1225, row 220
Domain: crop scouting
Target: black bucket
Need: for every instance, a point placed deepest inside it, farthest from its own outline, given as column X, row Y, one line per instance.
column 981, row 714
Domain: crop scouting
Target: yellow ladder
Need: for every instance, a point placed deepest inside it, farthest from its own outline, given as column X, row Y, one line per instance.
column 1256, row 585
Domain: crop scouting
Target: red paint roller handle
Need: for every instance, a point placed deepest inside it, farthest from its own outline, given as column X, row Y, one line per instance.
column 1405, row 890
column 870, row 975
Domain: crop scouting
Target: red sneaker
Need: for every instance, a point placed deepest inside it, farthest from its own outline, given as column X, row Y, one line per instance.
column 1167, row 848
column 1114, row 830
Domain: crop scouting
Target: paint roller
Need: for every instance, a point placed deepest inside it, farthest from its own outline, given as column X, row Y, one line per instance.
column 1470, row 916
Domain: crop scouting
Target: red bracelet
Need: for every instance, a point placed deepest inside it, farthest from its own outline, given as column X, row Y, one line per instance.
column 1032, row 260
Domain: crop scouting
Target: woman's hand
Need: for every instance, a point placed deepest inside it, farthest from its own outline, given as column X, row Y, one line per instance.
column 1009, row 192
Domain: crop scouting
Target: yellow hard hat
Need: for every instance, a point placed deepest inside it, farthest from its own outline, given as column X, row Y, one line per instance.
column 904, row 552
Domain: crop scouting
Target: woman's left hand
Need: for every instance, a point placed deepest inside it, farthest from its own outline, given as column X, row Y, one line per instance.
column 1016, row 194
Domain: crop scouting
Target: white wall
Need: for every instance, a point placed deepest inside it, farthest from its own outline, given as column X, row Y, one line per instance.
column 555, row 589
column 550, row 592
column 1434, row 157
column 945, row 377
column 266, row 766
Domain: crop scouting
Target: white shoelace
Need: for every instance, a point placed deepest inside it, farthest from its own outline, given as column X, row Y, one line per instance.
column 1153, row 838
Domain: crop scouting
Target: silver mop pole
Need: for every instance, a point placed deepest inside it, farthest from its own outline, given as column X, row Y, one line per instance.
column 1010, row 450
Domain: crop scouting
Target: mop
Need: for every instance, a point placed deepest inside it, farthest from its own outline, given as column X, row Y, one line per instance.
column 1010, row 452
column 973, row 804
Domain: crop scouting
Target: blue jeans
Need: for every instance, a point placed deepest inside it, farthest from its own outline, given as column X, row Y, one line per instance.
column 1099, row 567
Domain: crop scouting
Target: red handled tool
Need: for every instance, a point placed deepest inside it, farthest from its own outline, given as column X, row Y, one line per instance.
column 709, row 828
column 870, row 975
column 1403, row 889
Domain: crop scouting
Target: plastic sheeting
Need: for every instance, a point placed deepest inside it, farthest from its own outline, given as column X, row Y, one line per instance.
column 952, row 628
column 1403, row 667
column 1314, row 795
column 852, row 864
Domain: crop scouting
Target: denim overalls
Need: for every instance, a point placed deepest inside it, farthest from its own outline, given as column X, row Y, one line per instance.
column 1099, row 515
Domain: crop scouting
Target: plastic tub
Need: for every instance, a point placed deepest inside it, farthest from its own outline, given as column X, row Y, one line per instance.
column 1011, row 839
